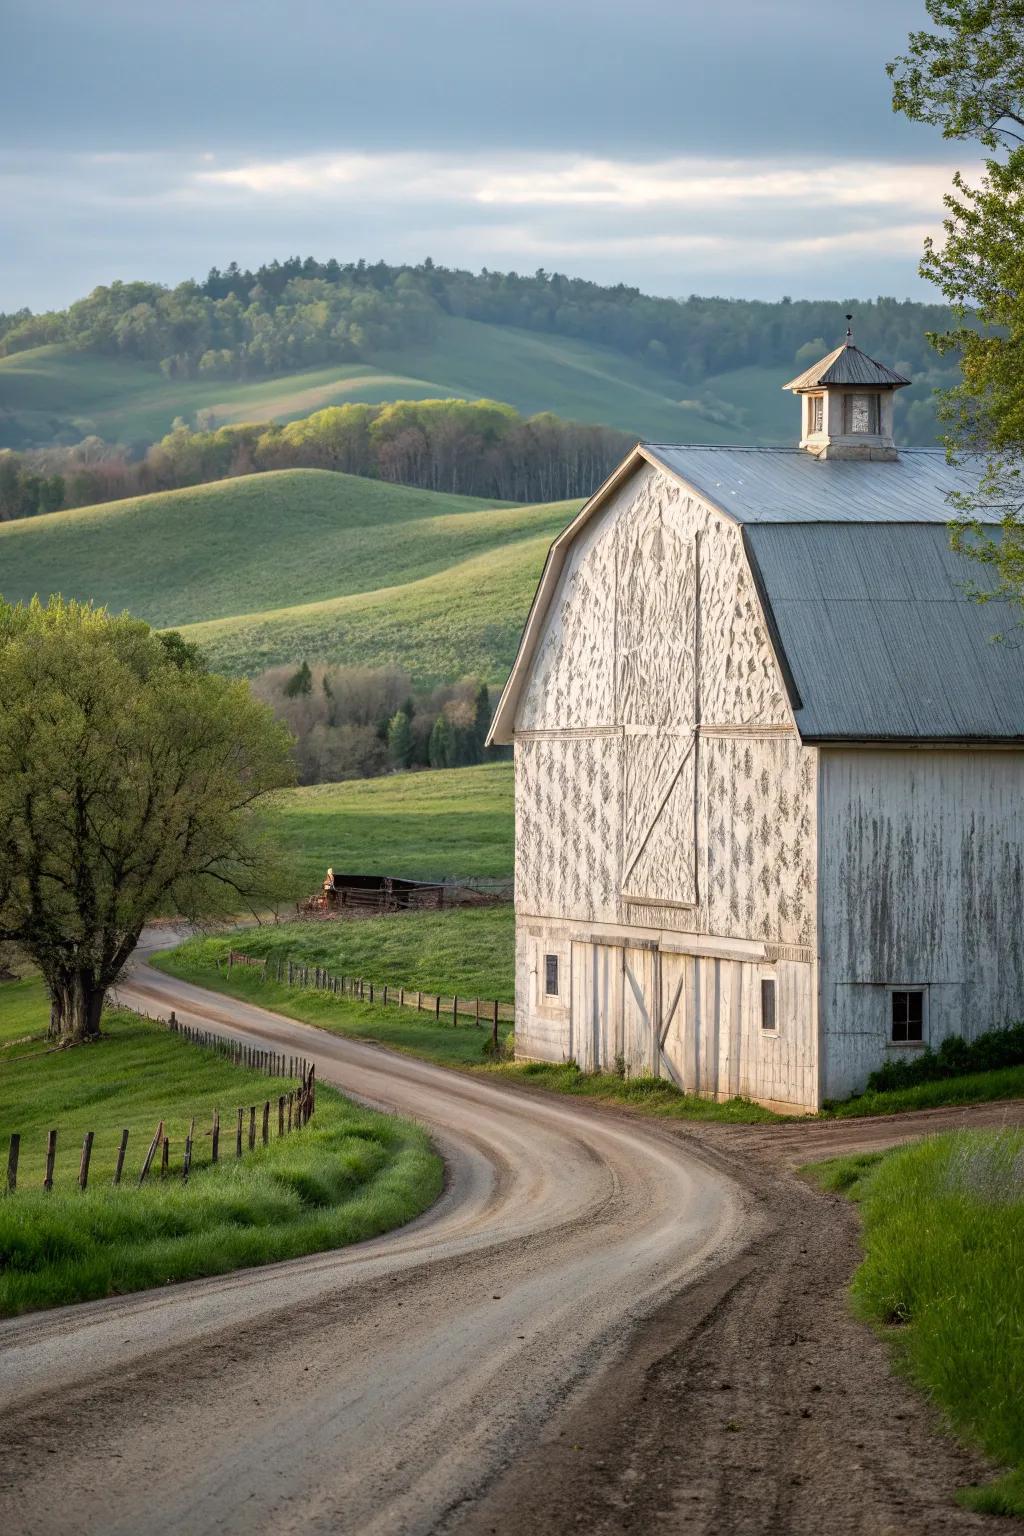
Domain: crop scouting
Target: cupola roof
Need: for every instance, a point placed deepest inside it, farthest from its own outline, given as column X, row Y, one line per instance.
column 847, row 365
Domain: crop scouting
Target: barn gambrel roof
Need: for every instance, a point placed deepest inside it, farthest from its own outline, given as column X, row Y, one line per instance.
column 869, row 609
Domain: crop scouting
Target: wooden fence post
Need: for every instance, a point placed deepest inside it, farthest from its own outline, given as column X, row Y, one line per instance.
column 291, row 1103
column 238, row 1132
column 165, row 1158
column 266, row 1122
column 419, row 1002
column 312, row 1089
column 252, row 1126
column 83, row 1166
column 119, row 1165
column 477, row 1020
column 51, row 1156
column 494, row 1027
column 280, row 1115
column 186, row 1163
column 385, row 994
column 215, row 1137
column 151, row 1153
column 455, row 1012
column 437, row 1009
column 12, row 1162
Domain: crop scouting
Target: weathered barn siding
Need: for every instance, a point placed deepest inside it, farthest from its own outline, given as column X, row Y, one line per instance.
column 661, row 787
column 921, row 884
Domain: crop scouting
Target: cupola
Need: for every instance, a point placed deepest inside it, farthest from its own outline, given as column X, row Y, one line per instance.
column 847, row 404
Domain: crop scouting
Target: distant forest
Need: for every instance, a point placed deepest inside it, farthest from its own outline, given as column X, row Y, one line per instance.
column 469, row 448
column 302, row 313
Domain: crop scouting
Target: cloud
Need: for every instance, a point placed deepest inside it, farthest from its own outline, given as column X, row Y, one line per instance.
column 687, row 223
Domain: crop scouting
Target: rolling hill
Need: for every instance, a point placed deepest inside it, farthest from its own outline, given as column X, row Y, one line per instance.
column 270, row 568
column 50, row 392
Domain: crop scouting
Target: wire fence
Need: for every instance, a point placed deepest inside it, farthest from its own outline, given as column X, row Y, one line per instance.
column 446, row 1008
column 253, row 1124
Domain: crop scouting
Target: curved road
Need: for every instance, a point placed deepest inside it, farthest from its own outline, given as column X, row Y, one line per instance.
column 380, row 1388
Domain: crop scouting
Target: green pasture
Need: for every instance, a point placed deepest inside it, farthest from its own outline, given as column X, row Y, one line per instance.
column 450, row 823
column 348, row 1175
column 464, row 621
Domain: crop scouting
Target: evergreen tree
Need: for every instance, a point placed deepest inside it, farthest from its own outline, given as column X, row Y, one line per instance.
column 441, row 743
column 301, row 683
column 400, row 740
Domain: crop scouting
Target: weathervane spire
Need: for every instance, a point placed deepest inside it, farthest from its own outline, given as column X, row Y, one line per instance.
column 849, row 330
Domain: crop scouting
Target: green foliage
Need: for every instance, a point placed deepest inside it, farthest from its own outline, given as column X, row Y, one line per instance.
column 955, row 1057
column 441, row 751
column 943, row 1236
column 129, row 781
column 400, row 739
column 350, row 1174
column 968, row 77
column 300, row 684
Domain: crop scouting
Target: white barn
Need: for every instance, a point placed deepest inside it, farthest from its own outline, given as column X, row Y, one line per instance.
column 769, row 766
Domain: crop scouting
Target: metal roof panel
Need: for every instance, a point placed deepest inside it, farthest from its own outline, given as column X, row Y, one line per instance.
column 789, row 485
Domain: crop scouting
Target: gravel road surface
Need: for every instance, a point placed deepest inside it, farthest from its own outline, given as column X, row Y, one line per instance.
column 380, row 1388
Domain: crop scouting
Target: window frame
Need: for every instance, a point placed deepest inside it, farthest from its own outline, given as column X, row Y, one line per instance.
column 906, row 988
column 769, row 981
column 815, row 415
column 551, row 960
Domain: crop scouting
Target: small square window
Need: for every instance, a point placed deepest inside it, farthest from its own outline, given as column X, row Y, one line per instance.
column 768, row 1019
column 551, row 975
column 908, row 1015
column 816, row 414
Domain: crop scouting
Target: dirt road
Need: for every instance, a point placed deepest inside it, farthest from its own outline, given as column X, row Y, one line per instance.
column 605, row 1324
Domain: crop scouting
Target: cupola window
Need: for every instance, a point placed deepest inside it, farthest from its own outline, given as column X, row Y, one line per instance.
column 860, row 413
column 816, row 413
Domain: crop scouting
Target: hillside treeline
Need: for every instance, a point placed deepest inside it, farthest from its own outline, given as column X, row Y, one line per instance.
column 302, row 312
column 358, row 722
column 471, row 448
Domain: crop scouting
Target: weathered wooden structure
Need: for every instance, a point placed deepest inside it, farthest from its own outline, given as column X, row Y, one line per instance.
column 769, row 767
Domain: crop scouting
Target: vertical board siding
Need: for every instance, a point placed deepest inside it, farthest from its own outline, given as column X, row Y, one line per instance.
column 630, row 810
column 922, row 884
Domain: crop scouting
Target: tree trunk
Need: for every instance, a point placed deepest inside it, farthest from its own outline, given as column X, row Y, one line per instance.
column 76, row 1003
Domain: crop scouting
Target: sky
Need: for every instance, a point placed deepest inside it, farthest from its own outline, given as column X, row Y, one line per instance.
column 748, row 150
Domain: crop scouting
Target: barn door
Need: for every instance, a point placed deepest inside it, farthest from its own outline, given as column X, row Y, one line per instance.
column 596, row 1006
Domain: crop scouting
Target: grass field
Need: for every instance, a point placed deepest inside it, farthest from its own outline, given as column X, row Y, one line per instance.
column 469, row 951
column 464, row 621
column 348, row 1175
column 49, row 390
column 943, row 1277
column 435, row 825
column 268, row 569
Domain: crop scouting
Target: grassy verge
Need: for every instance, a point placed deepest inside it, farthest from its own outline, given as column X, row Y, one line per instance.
column 971, row 1088
column 420, row 940
column 943, row 1277
column 350, row 1174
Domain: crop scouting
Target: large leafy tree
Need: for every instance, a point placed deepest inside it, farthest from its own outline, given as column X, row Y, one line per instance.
column 967, row 76
column 130, row 782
